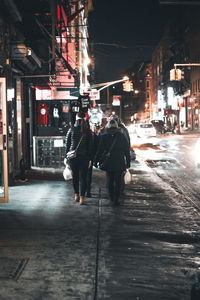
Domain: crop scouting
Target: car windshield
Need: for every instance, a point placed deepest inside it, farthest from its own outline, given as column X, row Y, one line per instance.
column 146, row 126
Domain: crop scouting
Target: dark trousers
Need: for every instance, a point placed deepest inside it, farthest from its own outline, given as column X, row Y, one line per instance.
column 79, row 166
column 89, row 179
column 114, row 181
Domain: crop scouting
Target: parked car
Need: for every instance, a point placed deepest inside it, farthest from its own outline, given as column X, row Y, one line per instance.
column 159, row 125
column 145, row 130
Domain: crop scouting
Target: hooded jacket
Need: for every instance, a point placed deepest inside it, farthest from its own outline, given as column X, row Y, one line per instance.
column 120, row 154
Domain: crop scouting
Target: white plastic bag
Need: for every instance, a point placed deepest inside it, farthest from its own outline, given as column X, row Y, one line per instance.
column 67, row 173
column 127, row 177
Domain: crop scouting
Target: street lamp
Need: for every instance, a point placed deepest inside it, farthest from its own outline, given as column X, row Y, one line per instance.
column 114, row 82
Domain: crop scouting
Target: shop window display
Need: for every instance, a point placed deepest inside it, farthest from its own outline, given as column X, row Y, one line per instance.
column 52, row 123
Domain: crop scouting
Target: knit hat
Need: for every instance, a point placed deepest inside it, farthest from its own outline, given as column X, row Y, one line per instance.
column 115, row 117
column 111, row 124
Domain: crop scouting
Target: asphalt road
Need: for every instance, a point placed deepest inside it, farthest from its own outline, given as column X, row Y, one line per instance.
column 174, row 159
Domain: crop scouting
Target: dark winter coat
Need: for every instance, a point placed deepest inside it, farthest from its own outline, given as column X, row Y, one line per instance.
column 120, row 154
column 72, row 139
column 124, row 130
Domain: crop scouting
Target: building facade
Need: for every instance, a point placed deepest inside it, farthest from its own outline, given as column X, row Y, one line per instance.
column 44, row 58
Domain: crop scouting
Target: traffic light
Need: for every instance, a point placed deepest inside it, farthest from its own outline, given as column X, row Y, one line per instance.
column 176, row 74
column 127, row 86
column 172, row 74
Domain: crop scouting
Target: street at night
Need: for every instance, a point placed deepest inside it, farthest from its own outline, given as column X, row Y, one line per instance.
column 146, row 248
column 99, row 150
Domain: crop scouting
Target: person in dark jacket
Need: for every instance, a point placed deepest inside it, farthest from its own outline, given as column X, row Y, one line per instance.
column 125, row 132
column 90, row 169
column 119, row 159
column 80, row 164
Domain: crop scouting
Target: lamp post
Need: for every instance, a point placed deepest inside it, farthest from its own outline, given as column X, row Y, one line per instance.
column 108, row 84
column 113, row 82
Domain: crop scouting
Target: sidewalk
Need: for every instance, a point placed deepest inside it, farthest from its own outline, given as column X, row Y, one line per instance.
column 53, row 248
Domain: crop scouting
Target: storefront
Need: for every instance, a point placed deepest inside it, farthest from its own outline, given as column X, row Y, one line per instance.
column 51, row 120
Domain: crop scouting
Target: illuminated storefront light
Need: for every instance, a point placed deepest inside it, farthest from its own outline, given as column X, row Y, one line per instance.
column 10, row 94
column 42, row 94
column 170, row 94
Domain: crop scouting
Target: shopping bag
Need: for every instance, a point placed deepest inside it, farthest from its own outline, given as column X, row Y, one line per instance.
column 127, row 177
column 67, row 173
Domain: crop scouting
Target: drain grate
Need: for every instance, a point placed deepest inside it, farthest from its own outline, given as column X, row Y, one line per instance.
column 12, row 268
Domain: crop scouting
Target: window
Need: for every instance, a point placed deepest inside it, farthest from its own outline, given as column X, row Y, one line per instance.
column 147, row 95
column 147, row 84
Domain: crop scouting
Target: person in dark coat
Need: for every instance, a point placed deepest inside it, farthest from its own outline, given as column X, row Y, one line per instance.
column 90, row 169
column 80, row 164
column 119, row 159
column 125, row 132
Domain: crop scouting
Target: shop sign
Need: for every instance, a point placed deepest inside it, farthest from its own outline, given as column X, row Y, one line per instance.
column 84, row 101
column 94, row 94
column 169, row 111
column 42, row 94
column 116, row 100
column 58, row 143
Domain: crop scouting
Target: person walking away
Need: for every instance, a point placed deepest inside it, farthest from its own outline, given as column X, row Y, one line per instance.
column 119, row 159
column 174, row 127
column 125, row 132
column 90, row 169
column 79, row 135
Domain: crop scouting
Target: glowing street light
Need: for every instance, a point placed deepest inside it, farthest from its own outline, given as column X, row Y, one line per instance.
column 87, row 61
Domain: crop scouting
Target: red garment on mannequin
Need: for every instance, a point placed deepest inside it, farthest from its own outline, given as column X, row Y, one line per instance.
column 42, row 114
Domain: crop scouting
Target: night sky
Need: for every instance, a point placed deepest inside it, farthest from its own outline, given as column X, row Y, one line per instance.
column 134, row 27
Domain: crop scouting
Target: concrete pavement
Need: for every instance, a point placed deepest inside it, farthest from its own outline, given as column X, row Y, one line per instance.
column 53, row 248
